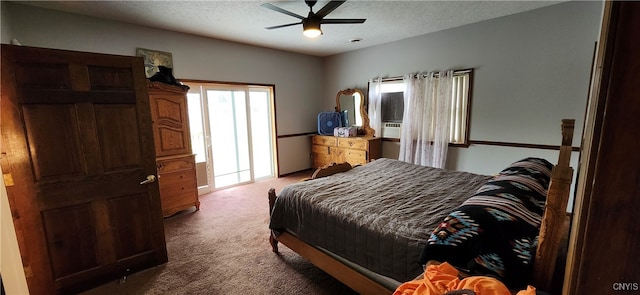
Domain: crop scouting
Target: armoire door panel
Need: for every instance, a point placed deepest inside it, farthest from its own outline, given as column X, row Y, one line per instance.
column 171, row 139
column 169, row 114
column 169, row 110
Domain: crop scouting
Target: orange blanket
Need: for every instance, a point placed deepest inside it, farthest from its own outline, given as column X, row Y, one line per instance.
column 442, row 278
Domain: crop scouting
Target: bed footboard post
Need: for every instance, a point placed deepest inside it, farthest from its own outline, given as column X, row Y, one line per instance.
column 551, row 228
column 272, row 238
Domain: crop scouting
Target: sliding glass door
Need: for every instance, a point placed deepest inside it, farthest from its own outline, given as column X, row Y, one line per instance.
column 263, row 132
column 236, row 134
column 229, row 127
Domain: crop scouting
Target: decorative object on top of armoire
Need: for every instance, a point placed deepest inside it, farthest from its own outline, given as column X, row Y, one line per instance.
column 76, row 145
column 353, row 150
column 174, row 158
column 165, row 75
column 153, row 59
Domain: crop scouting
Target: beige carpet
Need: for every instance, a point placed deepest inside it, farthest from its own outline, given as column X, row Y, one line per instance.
column 224, row 249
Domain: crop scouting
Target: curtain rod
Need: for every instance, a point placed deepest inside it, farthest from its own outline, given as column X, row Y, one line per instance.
column 455, row 73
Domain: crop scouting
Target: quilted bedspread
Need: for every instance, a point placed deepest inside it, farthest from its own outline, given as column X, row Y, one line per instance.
column 378, row 216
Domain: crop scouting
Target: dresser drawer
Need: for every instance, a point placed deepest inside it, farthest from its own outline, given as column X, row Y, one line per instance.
column 320, row 149
column 324, row 140
column 320, row 160
column 356, row 154
column 356, row 161
column 353, row 143
column 166, row 165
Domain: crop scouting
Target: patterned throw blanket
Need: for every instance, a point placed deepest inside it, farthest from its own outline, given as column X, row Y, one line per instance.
column 495, row 232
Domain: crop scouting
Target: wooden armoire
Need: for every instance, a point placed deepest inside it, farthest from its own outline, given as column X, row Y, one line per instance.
column 174, row 159
column 77, row 149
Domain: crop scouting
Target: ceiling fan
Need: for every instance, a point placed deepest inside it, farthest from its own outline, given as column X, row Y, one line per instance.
column 311, row 23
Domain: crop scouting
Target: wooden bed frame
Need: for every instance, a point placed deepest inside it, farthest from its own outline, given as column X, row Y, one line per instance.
column 552, row 229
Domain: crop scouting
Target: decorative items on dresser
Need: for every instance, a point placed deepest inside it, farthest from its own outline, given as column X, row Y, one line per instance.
column 354, row 150
column 343, row 146
column 174, row 158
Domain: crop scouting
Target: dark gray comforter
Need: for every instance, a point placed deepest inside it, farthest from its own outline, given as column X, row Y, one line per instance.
column 378, row 216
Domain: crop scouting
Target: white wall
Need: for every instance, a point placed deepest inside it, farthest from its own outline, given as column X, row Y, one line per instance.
column 298, row 88
column 10, row 261
column 530, row 71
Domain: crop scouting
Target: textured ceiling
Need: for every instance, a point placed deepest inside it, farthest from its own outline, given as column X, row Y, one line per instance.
column 245, row 21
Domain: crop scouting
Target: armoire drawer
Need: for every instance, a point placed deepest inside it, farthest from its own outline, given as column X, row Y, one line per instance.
column 174, row 190
column 175, row 163
column 176, row 177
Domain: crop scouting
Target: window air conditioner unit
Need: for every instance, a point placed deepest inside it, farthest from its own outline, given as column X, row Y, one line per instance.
column 391, row 129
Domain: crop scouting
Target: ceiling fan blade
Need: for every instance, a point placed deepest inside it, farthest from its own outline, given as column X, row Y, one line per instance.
column 278, row 9
column 343, row 20
column 331, row 6
column 282, row 26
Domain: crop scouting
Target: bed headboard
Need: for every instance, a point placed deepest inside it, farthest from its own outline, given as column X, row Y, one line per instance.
column 551, row 228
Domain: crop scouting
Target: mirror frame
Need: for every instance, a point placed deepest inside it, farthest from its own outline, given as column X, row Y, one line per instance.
column 366, row 130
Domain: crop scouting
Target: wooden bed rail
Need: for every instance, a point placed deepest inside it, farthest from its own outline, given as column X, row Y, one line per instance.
column 551, row 228
column 272, row 236
column 343, row 273
column 327, row 170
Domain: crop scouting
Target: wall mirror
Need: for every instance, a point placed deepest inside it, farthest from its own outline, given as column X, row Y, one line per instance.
column 352, row 104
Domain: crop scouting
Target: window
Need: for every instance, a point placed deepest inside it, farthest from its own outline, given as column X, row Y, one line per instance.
column 459, row 126
column 392, row 101
column 392, row 107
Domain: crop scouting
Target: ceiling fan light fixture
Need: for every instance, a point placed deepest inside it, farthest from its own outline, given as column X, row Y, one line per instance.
column 312, row 33
column 311, row 23
column 311, row 28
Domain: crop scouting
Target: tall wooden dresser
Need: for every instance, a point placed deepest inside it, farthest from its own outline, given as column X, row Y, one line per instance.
column 174, row 158
column 354, row 150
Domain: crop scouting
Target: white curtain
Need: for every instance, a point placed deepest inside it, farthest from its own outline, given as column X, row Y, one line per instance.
column 374, row 112
column 425, row 125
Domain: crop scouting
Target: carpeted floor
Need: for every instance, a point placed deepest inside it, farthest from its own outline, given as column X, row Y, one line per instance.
column 224, row 249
